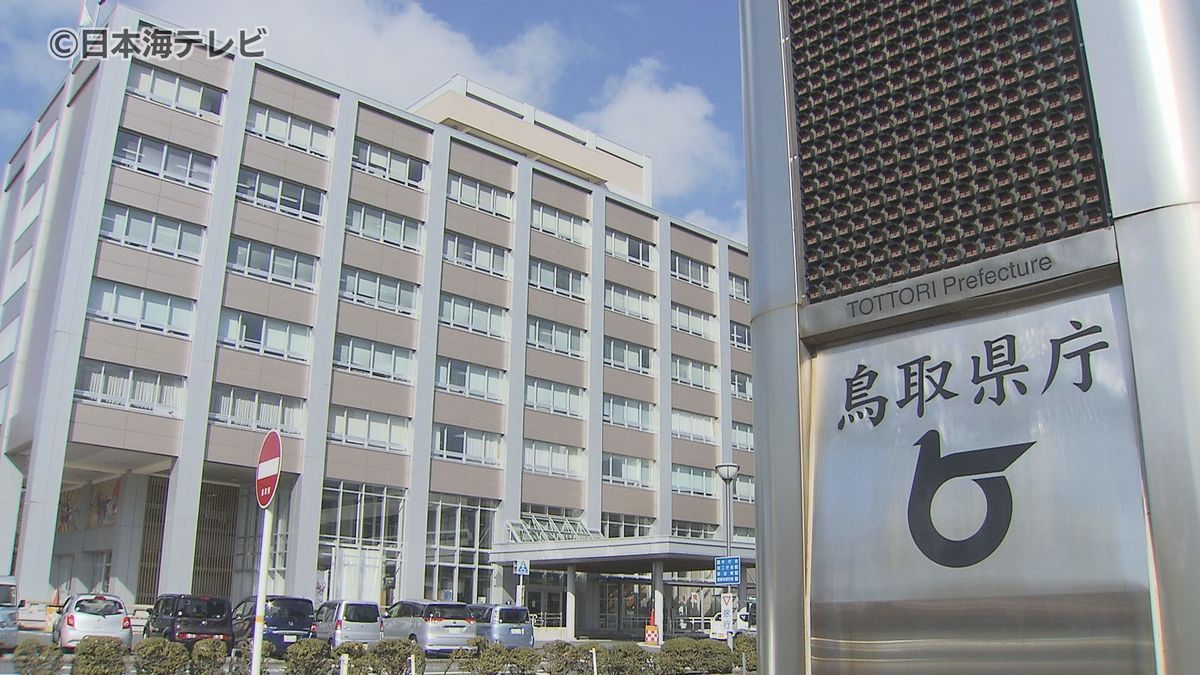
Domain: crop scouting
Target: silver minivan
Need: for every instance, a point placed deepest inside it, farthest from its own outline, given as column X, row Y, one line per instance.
column 434, row 626
column 506, row 625
column 341, row 621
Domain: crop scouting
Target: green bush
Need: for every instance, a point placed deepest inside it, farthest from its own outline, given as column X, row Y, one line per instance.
column 563, row 658
column 748, row 645
column 34, row 657
column 308, row 657
column 99, row 656
column 713, row 656
column 391, row 656
column 624, row 658
column 240, row 663
column 208, row 656
column 158, row 656
column 678, row 655
column 523, row 661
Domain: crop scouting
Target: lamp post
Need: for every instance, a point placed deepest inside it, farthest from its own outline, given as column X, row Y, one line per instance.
column 728, row 473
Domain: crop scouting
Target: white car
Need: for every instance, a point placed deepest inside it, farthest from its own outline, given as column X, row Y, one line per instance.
column 746, row 622
column 94, row 615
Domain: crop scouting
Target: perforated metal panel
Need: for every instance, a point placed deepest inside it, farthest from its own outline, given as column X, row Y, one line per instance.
column 935, row 133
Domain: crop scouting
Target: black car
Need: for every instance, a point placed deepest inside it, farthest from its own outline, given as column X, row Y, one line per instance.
column 286, row 620
column 187, row 618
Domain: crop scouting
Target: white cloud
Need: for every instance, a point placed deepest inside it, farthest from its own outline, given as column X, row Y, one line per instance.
column 395, row 53
column 734, row 228
column 671, row 123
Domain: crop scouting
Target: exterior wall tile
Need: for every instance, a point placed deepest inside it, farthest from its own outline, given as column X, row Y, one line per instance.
column 264, row 373
column 472, row 347
column 471, row 161
column 158, row 196
column 554, row 428
column 138, row 348
column 471, row 413
column 552, row 491
column 107, row 427
column 277, row 229
column 239, row 447
column 394, row 133
column 363, row 465
column 630, row 442
column 389, row 196
column 466, row 479
column 285, row 162
column 369, row 393
column 557, row 367
column 382, row 259
column 560, row 195
column 267, row 299
column 628, row 500
column 458, row 280
column 147, row 270
column 378, row 325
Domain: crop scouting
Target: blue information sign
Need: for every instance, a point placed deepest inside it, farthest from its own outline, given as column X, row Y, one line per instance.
column 729, row 570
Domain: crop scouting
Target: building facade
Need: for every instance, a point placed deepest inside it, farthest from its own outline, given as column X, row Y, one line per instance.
column 477, row 338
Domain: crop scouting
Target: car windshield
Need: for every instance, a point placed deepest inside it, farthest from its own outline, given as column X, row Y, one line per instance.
column 514, row 615
column 8, row 595
column 356, row 613
column 203, row 608
column 447, row 612
column 99, row 606
column 289, row 609
column 478, row 612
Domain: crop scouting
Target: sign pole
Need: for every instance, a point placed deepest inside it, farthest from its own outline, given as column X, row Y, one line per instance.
column 260, row 601
column 266, row 480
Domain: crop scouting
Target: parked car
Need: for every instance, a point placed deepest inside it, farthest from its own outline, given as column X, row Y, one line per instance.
column 433, row 626
column 9, row 608
column 286, row 620
column 187, row 618
column 340, row 621
column 506, row 625
column 745, row 622
column 91, row 614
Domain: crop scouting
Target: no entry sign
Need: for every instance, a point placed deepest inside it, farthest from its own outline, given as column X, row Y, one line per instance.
column 266, row 477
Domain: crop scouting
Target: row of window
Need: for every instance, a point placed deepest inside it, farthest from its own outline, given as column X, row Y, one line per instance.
column 164, row 160
column 288, row 129
column 630, row 302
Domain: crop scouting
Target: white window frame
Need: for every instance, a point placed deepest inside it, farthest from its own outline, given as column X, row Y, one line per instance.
column 464, row 251
column 642, row 409
column 115, row 227
column 377, row 353
column 278, row 260
column 693, row 426
column 263, row 119
column 560, row 224
column 465, row 378
column 642, row 526
column 630, row 356
column 739, row 287
column 452, row 306
column 692, row 373
column 693, row 480
column 365, row 288
column 256, row 187
column 234, row 331
column 383, row 162
column 690, row 270
column 179, row 311
column 741, row 433
column 630, row 302
column 116, row 385
column 744, row 535
column 691, row 529
column 394, row 229
column 546, row 276
column 178, row 86
column 693, row 321
column 136, row 151
column 475, row 194
column 287, row 406
column 538, row 326
column 553, row 459
column 479, row 447
column 743, row 489
column 619, row 245
column 616, row 469
column 343, row 421
column 742, row 385
column 556, row 398
column 738, row 338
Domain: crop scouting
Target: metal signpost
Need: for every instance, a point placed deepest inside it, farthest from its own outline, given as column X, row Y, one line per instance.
column 521, row 570
column 266, row 480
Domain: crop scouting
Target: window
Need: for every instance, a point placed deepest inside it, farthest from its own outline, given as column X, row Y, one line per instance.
column 133, row 388
column 744, row 535
column 692, row 373
column 377, row 359
column 629, row 248
column 628, row 356
column 557, row 279
column 620, row 525
column 164, row 160
column 457, row 544
column 474, row 316
column 142, row 229
column 553, row 397
column 743, row 488
column 140, row 308
column 288, row 129
column 477, row 255
column 540, row 522
column 690, row 480
column 378, row 291
column 480, row 196
column 627, row 301
column 693, row 530
column 370, row 429
column 264, row 335
column 252, row 409
column 560, row 224
column 693, row 426
column 281, row 195
column 628, row 412
column 174, row 91
column 553, row 459
column 688, row 320
column 470, row 379
column 555, row 337
column 739, row 335
column 384, row 226
column 743, row 436
column 739, row 287
column 623, row 470
column 388, row 164
column 690, row 270
column 466, row 445
column 274, row 264
column 743, row 387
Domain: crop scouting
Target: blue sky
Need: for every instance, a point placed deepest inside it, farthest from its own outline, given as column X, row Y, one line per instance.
column 660, row 76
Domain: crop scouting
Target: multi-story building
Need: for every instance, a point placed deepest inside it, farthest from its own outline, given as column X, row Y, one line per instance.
column 477, row 338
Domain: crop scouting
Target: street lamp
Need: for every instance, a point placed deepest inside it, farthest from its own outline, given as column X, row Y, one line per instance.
column 729, row 472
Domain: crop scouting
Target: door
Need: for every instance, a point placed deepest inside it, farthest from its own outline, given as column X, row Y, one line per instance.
column 243, row 619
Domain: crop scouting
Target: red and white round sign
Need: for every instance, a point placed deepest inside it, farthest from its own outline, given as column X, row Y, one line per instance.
column 266, row 477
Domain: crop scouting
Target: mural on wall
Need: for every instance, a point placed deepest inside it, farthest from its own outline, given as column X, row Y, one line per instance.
column 105, row 497
column 68, row 510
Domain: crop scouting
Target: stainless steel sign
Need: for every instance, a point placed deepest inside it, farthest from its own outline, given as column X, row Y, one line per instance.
column 977, row 488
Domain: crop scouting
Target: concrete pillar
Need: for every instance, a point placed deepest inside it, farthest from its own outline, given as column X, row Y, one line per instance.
column 11, row 480
column 569, row 611
column 656, row 581
column 127, row 539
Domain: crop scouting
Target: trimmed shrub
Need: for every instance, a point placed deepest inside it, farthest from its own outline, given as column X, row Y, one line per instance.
column 240, row 663
column 561, row 658
column 748, row 645
column 159, row 656
column 713, row 656
column 308, row 657
column 34, row 657
column 391, row 656
column 208, row 656
column 624, row 658
column 99, row 656
column 360, row 660
column 523, row 661
column 678, row 655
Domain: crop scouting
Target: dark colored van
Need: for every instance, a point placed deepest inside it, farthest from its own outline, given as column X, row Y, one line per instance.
column 286, row 621
column 187, row 618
